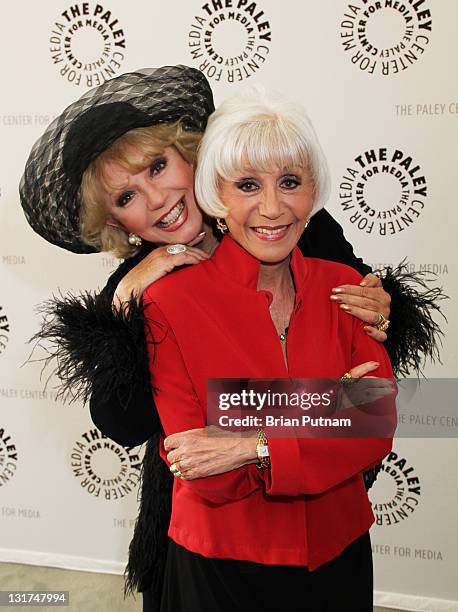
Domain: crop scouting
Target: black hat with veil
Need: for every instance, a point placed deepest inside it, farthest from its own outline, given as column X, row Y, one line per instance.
column 50, row 186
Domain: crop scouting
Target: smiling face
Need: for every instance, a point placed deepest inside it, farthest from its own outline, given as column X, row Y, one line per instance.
column 261, row 168
column 268, row 211
column 157, row 203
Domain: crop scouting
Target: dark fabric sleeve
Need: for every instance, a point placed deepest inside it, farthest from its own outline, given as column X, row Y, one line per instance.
column 324, row 239
column 148, row 548
column 126, row 413
column 101, row 356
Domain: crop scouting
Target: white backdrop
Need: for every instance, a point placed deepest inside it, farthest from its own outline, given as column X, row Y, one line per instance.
column 379, row 81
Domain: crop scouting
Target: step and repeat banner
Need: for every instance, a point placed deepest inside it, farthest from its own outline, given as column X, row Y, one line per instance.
column 378, row 79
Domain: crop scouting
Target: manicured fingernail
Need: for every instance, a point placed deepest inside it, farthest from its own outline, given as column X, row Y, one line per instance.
column 336, row 298
column 345, row 307
column 362, row 283
column 337, row 290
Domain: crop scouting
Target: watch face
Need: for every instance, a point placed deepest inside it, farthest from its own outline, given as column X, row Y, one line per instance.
column 263, row 451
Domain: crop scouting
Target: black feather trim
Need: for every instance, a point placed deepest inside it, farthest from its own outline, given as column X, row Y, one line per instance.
column 91, row 347
column 414, row 336
column 148, row 548
column 370, row 476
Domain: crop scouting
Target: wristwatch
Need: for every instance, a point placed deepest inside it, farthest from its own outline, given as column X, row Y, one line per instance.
column 262, row 451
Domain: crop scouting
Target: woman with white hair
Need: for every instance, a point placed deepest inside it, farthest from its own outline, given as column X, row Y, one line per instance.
column 276, row 523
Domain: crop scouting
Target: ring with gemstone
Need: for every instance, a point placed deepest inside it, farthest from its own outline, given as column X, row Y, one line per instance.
column 174, row 249
column 381, row 324
column 348, row 379
column 175, row 470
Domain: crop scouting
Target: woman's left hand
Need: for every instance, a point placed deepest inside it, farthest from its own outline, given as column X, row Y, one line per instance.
column 208, row 451
column 365, row 301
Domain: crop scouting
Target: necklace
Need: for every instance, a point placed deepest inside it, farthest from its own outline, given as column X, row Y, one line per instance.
column 276, row 312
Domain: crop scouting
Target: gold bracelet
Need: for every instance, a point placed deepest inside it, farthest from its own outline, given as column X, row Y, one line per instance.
column 262, row 451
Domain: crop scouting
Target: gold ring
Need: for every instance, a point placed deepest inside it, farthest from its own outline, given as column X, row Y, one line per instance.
column 381, row 324
column 348, row 379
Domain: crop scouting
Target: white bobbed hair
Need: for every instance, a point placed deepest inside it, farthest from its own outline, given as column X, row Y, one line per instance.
column 258, row 130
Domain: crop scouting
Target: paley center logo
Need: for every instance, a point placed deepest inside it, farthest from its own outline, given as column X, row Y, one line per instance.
column 384, row 191
column 87, row 44
column 385, row 37
column 229, row 40
column 8, row 457
column 4, row 330
column 396, row 492
column 104, row 468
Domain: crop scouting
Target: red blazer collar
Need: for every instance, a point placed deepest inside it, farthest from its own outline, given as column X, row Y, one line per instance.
column 234, row 261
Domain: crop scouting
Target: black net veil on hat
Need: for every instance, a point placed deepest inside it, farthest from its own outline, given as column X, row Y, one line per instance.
column 50, row 186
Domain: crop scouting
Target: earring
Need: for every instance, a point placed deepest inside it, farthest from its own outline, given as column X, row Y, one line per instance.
column 134, row 240
column 306, row 225
column 221, row 225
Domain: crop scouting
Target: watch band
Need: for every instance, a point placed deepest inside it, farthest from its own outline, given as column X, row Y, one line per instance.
column 262, row 451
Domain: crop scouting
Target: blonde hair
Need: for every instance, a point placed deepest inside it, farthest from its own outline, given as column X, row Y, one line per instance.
column 134, row 151
column 258, row 130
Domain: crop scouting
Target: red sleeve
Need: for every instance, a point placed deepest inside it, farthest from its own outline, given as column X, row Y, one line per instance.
column 180, row 410
column 314, row 465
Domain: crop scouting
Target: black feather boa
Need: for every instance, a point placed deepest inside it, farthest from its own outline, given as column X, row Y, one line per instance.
column 148, row 548
column 414, row 336
column 93, row 347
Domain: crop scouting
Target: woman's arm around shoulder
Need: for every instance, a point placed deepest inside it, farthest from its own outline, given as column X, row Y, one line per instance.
column 414, row 335
column 315, row 465
column 100, row 355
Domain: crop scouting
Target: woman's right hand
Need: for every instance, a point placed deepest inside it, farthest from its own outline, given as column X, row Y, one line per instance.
column 372, row 389
column 151, row 268
column 362, row 370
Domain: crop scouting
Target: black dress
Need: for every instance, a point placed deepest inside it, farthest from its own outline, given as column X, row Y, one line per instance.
column 195, row 583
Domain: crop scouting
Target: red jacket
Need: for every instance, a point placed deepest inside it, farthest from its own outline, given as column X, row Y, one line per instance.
column 210, row 321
